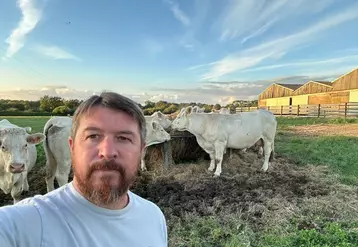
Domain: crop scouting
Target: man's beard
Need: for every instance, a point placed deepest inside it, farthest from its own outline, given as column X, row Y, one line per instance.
column 105, row 193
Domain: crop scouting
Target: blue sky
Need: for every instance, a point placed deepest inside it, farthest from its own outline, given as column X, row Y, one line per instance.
column 175, row 50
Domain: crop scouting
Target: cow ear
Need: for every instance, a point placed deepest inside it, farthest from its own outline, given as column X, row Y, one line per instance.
column 188, row 110
column 35, row 138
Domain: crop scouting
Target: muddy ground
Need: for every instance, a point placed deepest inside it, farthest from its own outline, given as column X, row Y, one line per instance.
column 242, row 188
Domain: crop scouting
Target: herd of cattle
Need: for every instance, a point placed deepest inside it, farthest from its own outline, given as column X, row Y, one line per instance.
column 215, row 132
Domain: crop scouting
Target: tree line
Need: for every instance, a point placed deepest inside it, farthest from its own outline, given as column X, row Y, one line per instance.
column 54, row 105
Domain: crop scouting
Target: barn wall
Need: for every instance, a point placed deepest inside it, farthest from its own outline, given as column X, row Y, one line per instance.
column 353, row 96
column 300, row 100
column 278, row 101
column 262, row 102
column 346, row 82
column 329, row 98
column 275, row 91
column 311, row 88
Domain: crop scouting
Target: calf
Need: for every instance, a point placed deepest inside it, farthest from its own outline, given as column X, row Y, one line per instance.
column 18, row 156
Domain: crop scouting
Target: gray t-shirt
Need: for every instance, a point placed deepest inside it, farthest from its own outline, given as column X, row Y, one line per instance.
column 65, row 218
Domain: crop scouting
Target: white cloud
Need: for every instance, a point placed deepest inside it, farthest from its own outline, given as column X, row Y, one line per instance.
column 31, row 15
column 178, row 13
column 53, row 90
column 55, row 52
column 248, row 19
column 277, row 48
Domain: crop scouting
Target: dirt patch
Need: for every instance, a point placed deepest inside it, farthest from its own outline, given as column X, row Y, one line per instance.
column 241, row 188
column 326, row 130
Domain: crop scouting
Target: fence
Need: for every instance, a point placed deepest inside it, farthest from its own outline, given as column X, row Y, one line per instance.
column 321, row 110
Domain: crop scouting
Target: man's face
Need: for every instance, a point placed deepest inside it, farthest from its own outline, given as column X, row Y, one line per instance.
column 106, row 154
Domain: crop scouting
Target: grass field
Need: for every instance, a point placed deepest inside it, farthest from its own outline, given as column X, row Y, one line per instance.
column 309, row 196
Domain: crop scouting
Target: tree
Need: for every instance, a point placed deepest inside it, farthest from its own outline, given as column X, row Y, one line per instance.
column 49, row 103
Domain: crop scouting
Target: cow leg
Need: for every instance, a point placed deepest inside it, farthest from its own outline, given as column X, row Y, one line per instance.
column 219, row 154
column 267, row 154
column 142, row 162
column 16, row 192
column 212, row 161
column 25, row 185
column 62, row 179
column 261, row 151
column 63, row 173
column 50, row 178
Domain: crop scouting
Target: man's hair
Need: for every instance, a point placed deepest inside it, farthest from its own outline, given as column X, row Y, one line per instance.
column 112, row 101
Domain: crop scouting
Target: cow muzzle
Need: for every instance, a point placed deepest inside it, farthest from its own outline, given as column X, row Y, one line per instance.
column 17, row 167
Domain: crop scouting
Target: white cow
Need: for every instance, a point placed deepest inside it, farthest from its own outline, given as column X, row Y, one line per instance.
column 57, row 151
column 198, row 109
column 155, row 135
column 216, row 132
column 159, row 117
column 224, row 111
column 18, row 156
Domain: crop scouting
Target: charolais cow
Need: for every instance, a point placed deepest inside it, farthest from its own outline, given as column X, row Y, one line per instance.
column 155, row 134
column 57, row 151
column 18, row 156
column 216, row 132
column 159, row 117
column 198, row 109
column 224, row 111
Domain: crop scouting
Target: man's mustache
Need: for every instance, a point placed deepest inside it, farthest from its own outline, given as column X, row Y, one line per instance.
column 106, row 165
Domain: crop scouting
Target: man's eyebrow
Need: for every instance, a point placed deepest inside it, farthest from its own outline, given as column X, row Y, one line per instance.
column 89, row 128
column 125, row 132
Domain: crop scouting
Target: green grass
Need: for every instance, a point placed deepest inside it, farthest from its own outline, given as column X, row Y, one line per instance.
column 338, row 152
column 294, row 121
column 37, row 123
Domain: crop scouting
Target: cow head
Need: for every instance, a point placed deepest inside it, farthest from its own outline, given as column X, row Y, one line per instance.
column 181, row 122
column 156, row 134
column 14, row 148
column 162, row 119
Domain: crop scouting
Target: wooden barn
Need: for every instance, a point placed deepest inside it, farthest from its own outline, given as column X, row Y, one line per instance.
column 342, row 90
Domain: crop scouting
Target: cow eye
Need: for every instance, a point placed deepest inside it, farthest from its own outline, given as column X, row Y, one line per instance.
column 26, row 145
column 3, row 148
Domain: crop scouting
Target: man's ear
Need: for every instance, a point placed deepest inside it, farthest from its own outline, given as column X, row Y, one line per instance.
column 70, row 143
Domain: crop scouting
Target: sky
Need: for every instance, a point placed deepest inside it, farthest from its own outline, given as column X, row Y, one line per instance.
column 204, row 51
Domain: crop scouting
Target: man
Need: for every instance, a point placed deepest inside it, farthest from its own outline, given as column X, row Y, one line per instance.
column 96, row 208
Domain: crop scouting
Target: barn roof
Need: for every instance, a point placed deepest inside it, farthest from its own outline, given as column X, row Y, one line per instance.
column 328, row 83
column 290, row 86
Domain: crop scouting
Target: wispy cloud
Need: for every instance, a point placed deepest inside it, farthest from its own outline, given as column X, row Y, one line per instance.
column 248, row 19
column 178, row 13
column 31, row 15
column 277, row 48
column 55, row 52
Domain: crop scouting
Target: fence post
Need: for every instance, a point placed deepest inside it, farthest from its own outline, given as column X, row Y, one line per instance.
column 345, row 110
column 281, row 110
column 298, row 110
column 319, row 110
column 167, row 153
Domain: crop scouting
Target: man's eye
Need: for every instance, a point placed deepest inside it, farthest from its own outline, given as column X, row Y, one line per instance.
column 92, row 136
column 123, row 138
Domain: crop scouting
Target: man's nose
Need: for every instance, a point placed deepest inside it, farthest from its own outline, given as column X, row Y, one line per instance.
column 107, row 149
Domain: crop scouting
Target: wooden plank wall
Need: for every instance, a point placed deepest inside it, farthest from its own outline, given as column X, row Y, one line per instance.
column 275, row 91
column 312, row 87
column 349, row 81
column 329, row 98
